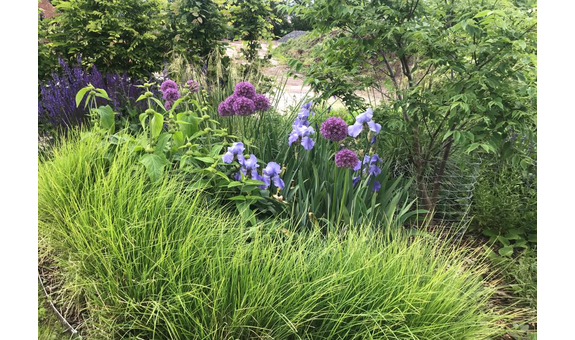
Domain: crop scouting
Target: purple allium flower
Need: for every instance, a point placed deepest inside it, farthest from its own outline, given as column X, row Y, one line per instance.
column 171, row 95
column 193, row 85
column 245, row 89
column 168, row 84
column 334, row 129
column 262, row 102
column 360, row 121
column 345, row 158
column 236, row 149
column 223, row 109
column 167, row 105
column 243, row 106
column 226, row 108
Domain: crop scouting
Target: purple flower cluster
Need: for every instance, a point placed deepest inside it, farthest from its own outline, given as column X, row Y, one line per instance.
column 244, row 102
column 334, row 129
column 364, row 121
column 57, row 102
column 301, row 131
column 370, row 169
column 271, row 173
column 170, row 92
column 346, row 158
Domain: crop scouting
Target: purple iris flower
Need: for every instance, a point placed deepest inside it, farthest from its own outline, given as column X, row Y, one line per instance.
column 236, row 149
column 371, row 169
column 272, row 172
column 361, row 121
column 301, row 134
column 250, row 163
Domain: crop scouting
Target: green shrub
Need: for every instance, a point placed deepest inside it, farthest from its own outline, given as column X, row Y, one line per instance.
column 47, row 59
column 195, row 28
column 116, row 36
column 154, row 261
column 505, row 205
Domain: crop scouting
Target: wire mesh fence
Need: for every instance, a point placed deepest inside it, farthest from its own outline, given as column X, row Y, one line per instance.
column 455, row 196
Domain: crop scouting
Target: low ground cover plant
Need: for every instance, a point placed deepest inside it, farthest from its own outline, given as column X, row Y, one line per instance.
column 157, row 260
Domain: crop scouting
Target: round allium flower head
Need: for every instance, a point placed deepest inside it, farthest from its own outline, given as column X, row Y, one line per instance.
column 262, row 102
column 243, row 106
column 345, row 158
column 171, row 95
column 245, row 89
column 193, row 85
column 168, row 84
column 226, row 108
column 334, row 129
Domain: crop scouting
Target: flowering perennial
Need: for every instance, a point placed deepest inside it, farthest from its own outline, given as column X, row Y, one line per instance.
column 364, row 120
column 370, row 169
column 334, row 129
column 346, row 158
column 301, row 129
column 170, row 92
column 244, row 101
column 248, row 167
column 236, row 149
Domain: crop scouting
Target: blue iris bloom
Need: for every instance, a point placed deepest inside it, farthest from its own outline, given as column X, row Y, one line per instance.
column 362, row 120
column 236, row 149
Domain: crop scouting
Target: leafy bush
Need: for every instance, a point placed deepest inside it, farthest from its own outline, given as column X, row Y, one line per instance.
column 116, row 36
column 47, row 59
column 505, row 206
column 252, row 22
column 454, row 75
column 195, row 28
column 159, row 261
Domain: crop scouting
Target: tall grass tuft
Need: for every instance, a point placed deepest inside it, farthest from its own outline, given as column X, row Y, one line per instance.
column 156, row 261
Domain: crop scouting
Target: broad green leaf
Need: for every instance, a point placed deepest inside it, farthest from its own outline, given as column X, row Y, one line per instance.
column 102, row 94
column 235, row 184
column 80, row 95
column 483, row 13
column 143, row 117
column 237, row 198
column 178, row 139
column 188, row 124
column 107, row 116
column 162, row 142
column 208, row 160
column 506, row 251
column 156, row 124
column 154, row 164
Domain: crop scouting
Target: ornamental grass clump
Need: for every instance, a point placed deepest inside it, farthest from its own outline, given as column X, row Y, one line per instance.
column 243, row 102
column 160, row 261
